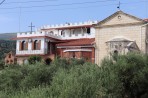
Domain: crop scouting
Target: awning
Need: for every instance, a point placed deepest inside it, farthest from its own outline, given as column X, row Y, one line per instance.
column 77, row 50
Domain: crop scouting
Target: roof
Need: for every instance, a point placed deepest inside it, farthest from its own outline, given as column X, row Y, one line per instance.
column 146, row 19
column 119, row 39
column 78, row 42
column 116, row 13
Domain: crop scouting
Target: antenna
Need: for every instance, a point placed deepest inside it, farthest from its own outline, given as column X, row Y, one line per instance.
column 118, row 7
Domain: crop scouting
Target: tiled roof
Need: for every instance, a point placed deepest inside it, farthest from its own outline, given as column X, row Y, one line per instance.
column 78, row 42
column 146, row 19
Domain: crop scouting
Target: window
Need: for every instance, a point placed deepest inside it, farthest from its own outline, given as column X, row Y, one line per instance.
column 73, row 32
column 51, row 32
column 88, row 30
column 63, row 33
column 36, row 45
column 23, row 45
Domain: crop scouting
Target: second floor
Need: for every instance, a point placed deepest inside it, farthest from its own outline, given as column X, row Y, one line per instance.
column 64, row 31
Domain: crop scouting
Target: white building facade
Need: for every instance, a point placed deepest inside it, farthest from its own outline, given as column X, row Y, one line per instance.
column 43, row 41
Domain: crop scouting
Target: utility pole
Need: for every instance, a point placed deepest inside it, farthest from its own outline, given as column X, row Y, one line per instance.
column 31, row 26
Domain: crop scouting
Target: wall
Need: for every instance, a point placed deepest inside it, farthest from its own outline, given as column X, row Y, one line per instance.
column 132, row 32
column 30, row 51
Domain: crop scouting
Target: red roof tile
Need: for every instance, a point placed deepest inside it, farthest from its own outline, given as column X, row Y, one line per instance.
column 146, row 19
column 78, row 42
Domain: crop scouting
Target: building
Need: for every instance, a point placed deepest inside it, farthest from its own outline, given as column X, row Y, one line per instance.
column 120, row 33
column 65, row 40
column 10, row 58
column 117, row 34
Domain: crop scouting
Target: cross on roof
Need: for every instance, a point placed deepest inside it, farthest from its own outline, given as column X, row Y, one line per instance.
column 31, row 26
column 119, row 6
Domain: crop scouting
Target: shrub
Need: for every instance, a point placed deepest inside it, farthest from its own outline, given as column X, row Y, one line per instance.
column 130, row 73
column 34, row 59
column 2, row 63
column 10, row 79
column 78, row 82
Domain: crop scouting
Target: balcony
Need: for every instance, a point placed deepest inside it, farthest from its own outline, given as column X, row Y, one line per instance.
column 31, row 52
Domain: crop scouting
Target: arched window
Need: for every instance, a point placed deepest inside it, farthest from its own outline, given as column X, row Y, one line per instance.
column 23, row 45
column 36, row 45
column 63, row 33
column 51, row 32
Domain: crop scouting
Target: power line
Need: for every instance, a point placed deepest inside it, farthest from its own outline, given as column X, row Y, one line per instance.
column 2, row 2
column 78, row 7
column 66, row 4
column 64, row 8
column 30, row 1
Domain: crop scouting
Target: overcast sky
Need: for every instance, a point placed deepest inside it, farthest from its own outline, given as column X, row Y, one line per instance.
column 17, row 15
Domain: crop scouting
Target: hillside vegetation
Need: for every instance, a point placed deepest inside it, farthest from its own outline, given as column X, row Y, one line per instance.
column 124, row 77
column 6, row 46
column 7, row 36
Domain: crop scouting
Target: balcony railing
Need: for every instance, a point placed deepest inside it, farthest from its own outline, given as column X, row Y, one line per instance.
column 29, row 52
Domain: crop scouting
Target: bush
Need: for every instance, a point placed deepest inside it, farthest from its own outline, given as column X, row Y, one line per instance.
column 2, row 64
column 10, row 79
column 78, row 82
column 36, row 75
column 130, row 73
column 34, row 59
column 125, row 77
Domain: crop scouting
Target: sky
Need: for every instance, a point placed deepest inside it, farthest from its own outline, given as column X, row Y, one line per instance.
column 17, row 15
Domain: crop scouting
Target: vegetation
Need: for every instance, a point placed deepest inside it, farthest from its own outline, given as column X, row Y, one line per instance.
column 34, row 59
column 6, row 46
column 7, row 36
column 123, row 77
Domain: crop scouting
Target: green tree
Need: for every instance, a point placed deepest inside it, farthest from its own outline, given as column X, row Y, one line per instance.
column 34, row 59
column 78, row 82
column 131, row 75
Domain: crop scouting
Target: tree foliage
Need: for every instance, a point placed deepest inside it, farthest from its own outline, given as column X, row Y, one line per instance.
column 125, row 77
column 34, row 59
column 131, row 73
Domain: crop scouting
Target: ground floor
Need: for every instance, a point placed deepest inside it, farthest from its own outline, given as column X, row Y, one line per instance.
column 24, row 59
